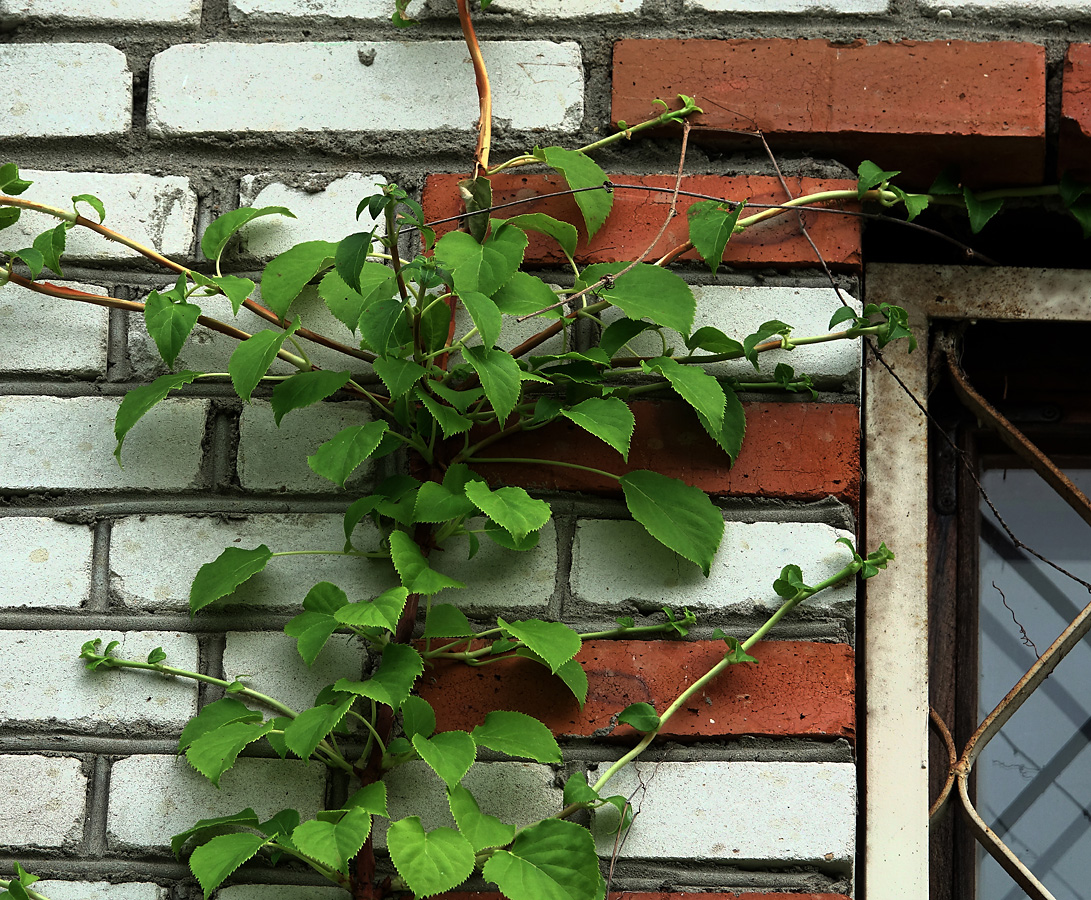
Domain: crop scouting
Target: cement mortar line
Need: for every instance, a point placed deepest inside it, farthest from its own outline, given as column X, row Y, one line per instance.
column 142, row 868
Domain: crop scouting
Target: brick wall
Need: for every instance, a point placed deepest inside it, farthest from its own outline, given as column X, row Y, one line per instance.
column 175, row 111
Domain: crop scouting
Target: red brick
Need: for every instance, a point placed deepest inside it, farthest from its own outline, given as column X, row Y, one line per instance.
column 638, row 215
column 800, row 451
column 1074, row 153
column 916, row 106
column 798, row 689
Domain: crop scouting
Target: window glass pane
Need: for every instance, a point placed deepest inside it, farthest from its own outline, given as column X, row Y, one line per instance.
column 1034, row 777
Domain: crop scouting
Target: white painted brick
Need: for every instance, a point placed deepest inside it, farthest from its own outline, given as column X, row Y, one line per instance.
column 54, row 336
column 47, row 86
column 44, row 680
column 516, row 792
column 739, row 311
column 747, row 813
column 614, row 562
column 269, row 662
column 50, row 442
column 153, row 798
column 278, row 892
column 154, row 559
column 209, row 351
column 43, row 801
column 275, row 459
column 106, row 12
column 43, row 563
column 256, row 11
column 99, row 890
column 325, row 214
column 156, row 211
column 1077, row 9
column 789, row 6
column 225, row 88
column 494, row 571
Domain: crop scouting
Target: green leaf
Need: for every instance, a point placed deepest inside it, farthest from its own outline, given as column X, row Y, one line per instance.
column 508, row 541
column 711, row 225
column 304, row 389
column 413, row 567
column 214, row 752
column 220, row 231
column 225, row 573
column 732, row 430
column 418, row 717
column 8, row 217
column 401, row 666
column 334, row 844
column 677, row 515
column 211, row 863
column 399, row 375
column 449, row 421
column 694, row 385
column 642, row 716
column 245, row 819
column 551, row 860
column 563, row 233
column 554, row 642
column 646, row 292
column 517, row 734
column 382, row 612
column 609, row 419
column 311, row 631
column 431, row 862
column 1081, row 212
column 370, row 798
column 485, row 314
column 766, row 331
column 947, row 182
column 251, row 359
column 92, row 201
column 31, row 258
column 307, row 730
column 10, row 182
column 870, row 176
column 482, row 268
column 236, row 289
column 383, row 326
column 481, row 830
column 157, row 656
column 212, row 716
column 476, row 195
column 447, row 621
column 524, row 295
column 377, row 282
column 980, row 211
column 790, row 582
column 141, row 399
column 338, row 458
column 577, row 790
column 436, row 503
column 500, row 377
column 51, row 245
column 580, row 171
column 571, row 673
column 449, row 754
column 842, row 314
column 1071, row 188
column 619, row 333
column 713, row 340
column 351, row 257
column 735, row 652
column 169, row 323
column 511, row 508
column 286, row 275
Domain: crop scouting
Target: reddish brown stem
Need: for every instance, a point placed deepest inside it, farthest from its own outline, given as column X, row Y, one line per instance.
column 484, row 92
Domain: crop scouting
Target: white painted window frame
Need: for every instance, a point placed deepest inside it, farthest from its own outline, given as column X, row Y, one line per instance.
column 896, row 511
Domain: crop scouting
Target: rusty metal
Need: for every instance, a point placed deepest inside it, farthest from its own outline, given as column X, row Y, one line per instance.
column 960, row 771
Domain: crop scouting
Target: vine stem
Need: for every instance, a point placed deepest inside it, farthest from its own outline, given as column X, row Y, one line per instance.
column 484, row 91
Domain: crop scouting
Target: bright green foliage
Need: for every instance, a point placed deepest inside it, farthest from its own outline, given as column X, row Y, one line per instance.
column 642, row 716
column 554, row 642
column 512, row 508
column 212, row 862
column 980, row 211
column 304, row 389
column 286, row 275
column 213, row 716
column 50, row 244
column 92, row 201
column 711, row 225
column 221, row 576
column 334, row 844
column 564, row 233
column 307, row 730
column 517, row 734
column 222, row 229
column 607, row 418
column 481, row 830
column 553, row 860
column 214, row 752
column 580, row 171
column 141, row 399
column 645, row 292
column 677, row 515
column 392, row 681
column 449, row 754
column 430, row 862
column 170, row 319
column 339, row 457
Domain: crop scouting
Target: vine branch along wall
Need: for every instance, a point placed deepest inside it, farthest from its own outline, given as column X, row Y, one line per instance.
column 176, row 112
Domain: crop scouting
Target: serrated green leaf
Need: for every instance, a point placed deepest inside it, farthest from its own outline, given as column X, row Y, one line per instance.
column 283, row 822
column 92, row 201
column 413, row 568
column 713, row 340
column 400, row 667
column 980, row 211
column 435, row 503
column 711, row 225
column 507, row 540
column 766, row 331
column 225, row 573
column 304, row 389
column 481, row 830
column 485, row 314
column 8, row 217
column 500, row 378
column 429, row 862
column 564, row 233
column 418, row 717
column 51, row 245
column 214, row 752
column 551, row 860
column 449, row 754
column 512, row 508
column 517, row 734
column 577, row 790
column 732, row 430
column 307, row 730
column 524, row 295
column 141, row 399
column 351, row 257
column 236, row 289
column 370, row 798
column 609, row 419
column 311, row 631
column 870, row 175
column 212, row 862
column 10, row 182
column 571, row 673
column 285, row 276
column 377, row 282
column 449, row 421
column 476, row 195
column 399, row 375
column 481, row 268
column 31, row 258
column 334, row 844
column 619, row 333
column 694, row 385
column 641, row 716
column 554, row 642
column 842, row 314
column 251, row 359
column 247, row 818
column 646, row 292
column 677, row 515
column 212, row 716
column 383, row 611
column 447, row 621
column 383, row 326
column 580, row 171
column 219, row 232
column 169, row 323
column 338, row 458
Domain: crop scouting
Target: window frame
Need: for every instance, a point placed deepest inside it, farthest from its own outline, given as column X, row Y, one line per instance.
column 895, row 740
